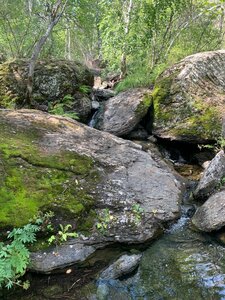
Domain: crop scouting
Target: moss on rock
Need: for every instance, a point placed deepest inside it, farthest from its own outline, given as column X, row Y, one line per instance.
column 160, row 96
column 144, row 105
column 205, row 124
column 181, row 116
column 32, row 179
column 188, row 99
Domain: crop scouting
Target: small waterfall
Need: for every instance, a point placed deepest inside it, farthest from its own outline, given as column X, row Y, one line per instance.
column 93, row 119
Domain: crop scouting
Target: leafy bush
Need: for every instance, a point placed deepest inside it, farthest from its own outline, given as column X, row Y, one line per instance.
column 14, row 256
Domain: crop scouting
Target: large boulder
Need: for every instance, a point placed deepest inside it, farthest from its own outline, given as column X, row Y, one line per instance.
column 211, row 215
column 212, row 177
column 98, row 183
column 189, row 98
column 121, row 114
column 53, row 81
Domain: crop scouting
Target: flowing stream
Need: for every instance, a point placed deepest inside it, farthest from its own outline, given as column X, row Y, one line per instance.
column 182, row 264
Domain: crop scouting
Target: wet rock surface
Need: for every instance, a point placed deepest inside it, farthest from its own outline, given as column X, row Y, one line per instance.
column 60, row 257
column 102, row 95
column 124, row 265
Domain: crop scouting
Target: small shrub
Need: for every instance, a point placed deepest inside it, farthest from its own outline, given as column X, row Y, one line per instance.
column 63, row 108
column 14, row 256
column 217, row 146
column 137, row 212
column 104, row 220
column 62, row 235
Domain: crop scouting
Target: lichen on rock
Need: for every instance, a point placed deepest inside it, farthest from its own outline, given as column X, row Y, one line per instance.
column 53, row 80
column 189, row 99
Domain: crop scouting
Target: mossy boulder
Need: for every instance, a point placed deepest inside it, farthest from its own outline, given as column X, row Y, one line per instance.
column 122, row 113
column 53, row 81
column 104, row 186
column 32, row 179
column 189, row 99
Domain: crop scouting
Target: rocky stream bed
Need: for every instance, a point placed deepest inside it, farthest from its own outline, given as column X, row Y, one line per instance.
column 132, row 186
column 181, row 264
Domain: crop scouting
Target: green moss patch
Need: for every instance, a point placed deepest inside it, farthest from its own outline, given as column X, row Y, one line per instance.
column 32, row 179
column 160, row 97
column 178, row 114
column 205, row 124
column 144, row 105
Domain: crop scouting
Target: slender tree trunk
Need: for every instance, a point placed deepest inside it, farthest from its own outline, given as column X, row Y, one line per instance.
column 123, row 61
column 30, row 7
column 99, row 41
column 68, row 44
column 55, row 17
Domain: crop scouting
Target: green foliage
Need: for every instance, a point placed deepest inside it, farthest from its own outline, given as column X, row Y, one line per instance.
column 104, row 220
column 8, row 102
column 219, row 145
column 220, row 142
column 44, row 220
column 137, row 212
column 222, row 181
column 64, row 108
column 62, row 235
column 14, row 255
column 84, row 89
column 140, row 76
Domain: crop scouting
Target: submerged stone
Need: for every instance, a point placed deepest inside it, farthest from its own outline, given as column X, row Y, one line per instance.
column 123, row 266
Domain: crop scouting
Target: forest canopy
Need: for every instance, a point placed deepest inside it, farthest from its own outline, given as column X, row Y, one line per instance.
column 133, row 37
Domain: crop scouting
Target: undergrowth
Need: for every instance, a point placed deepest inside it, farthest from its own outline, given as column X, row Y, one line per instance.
column 140, row 77
column 14, row 256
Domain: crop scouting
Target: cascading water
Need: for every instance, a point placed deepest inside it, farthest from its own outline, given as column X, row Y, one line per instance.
column 93, row 119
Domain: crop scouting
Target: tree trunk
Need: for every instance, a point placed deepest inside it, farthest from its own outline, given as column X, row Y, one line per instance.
column 30, row 7
column 123, row 61
column 55, row 17
column 99, row 38
column 68, row 44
